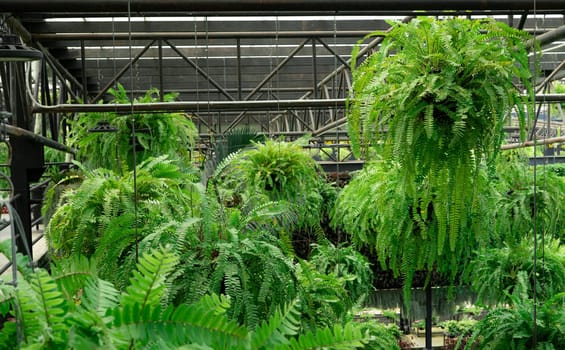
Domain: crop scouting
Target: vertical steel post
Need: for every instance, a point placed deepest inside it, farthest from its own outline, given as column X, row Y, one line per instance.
column 83, row 68
column 428, row 290
column 239, row 94
column 161, row 85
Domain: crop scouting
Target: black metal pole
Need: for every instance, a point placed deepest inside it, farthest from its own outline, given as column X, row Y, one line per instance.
column 428, row 290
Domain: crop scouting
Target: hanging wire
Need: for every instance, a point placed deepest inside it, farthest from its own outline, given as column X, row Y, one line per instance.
column 133, row 138
column 334, row 90
column 535, row 209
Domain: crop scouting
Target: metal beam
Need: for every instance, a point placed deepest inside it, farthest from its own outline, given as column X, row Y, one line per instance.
column 191, row 106
column 200, row 71
column 122, row 71
column 552, row 35
column 70, row 6
column 199, row 35
column 220, row 105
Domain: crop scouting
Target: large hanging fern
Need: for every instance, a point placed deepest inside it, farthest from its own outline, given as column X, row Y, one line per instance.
column 442, row 91
column 378, row 213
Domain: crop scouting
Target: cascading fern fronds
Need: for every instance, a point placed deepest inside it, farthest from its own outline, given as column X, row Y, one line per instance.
column 442, row 90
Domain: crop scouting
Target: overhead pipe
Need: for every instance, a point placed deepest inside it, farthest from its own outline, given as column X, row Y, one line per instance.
column 200, row 35
column 190, row 106
column 16, row 131
column 216, row 106
column 244, row 6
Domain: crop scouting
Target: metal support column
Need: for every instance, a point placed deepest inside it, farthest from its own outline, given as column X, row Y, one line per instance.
column 26, row 164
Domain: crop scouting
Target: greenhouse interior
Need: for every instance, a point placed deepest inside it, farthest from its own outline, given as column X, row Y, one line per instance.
column 282, row 174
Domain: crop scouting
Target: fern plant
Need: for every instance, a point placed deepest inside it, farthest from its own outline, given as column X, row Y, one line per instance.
column 345, row 262
column 280, row 171
column 442, row 90
column 516, row 209
column 157, row 134
column 495, row 272
column 512, row 327
column 97, row 218
column 378, row 212
column 99, row 317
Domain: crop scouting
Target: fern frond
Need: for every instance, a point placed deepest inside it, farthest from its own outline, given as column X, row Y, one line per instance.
column 183, row 325
column 99, row 296
column 340, row 337
column 148, row 284
column 275, row 331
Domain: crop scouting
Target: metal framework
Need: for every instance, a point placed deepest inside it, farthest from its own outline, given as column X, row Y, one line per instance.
column 281, row 66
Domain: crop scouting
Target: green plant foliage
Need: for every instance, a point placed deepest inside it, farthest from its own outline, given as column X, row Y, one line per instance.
column 323, row 301
column 377, row 211
column 381, row 337
column 512, row 327
column 345, row 262
column 278, row 171
column 157, row 134
column 256, row 275
column 455, row 328
column 495, row 272
column 442, row 90
column 97, row 218
column 138, row 318
column 515, row 203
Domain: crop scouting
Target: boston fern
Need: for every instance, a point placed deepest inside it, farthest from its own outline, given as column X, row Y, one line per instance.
column 156, row 134
column 434, row 99
column 97, row 217
column 494, row 273
column 279, row 171
column 379, row 213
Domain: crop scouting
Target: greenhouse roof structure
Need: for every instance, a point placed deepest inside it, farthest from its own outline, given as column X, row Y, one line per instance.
column 282, row 66
column 279, row 66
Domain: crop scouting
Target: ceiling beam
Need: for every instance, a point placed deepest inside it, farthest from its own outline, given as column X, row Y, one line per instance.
column 243, row 6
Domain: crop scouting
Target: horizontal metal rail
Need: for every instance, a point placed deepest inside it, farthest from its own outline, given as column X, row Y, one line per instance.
column 215, row 106
column 199, row 35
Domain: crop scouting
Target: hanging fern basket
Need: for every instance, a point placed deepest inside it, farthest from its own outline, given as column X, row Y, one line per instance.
column 432, row 104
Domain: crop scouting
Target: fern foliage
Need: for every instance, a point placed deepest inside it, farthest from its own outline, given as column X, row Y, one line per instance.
column 516, row 208
column 140, row 318
column 512, row 327
column 378, row 212
column 97, row 218
column 442, row 98
column 495, row 272
column 156, row 134
column 278, row 171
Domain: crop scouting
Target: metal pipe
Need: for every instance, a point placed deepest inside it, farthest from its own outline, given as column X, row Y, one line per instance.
column 190, row 106
column 198, row 35
column 213, row 106
column 551, row 36
column 70, row 6
column 533, row 143
column 16, row 131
